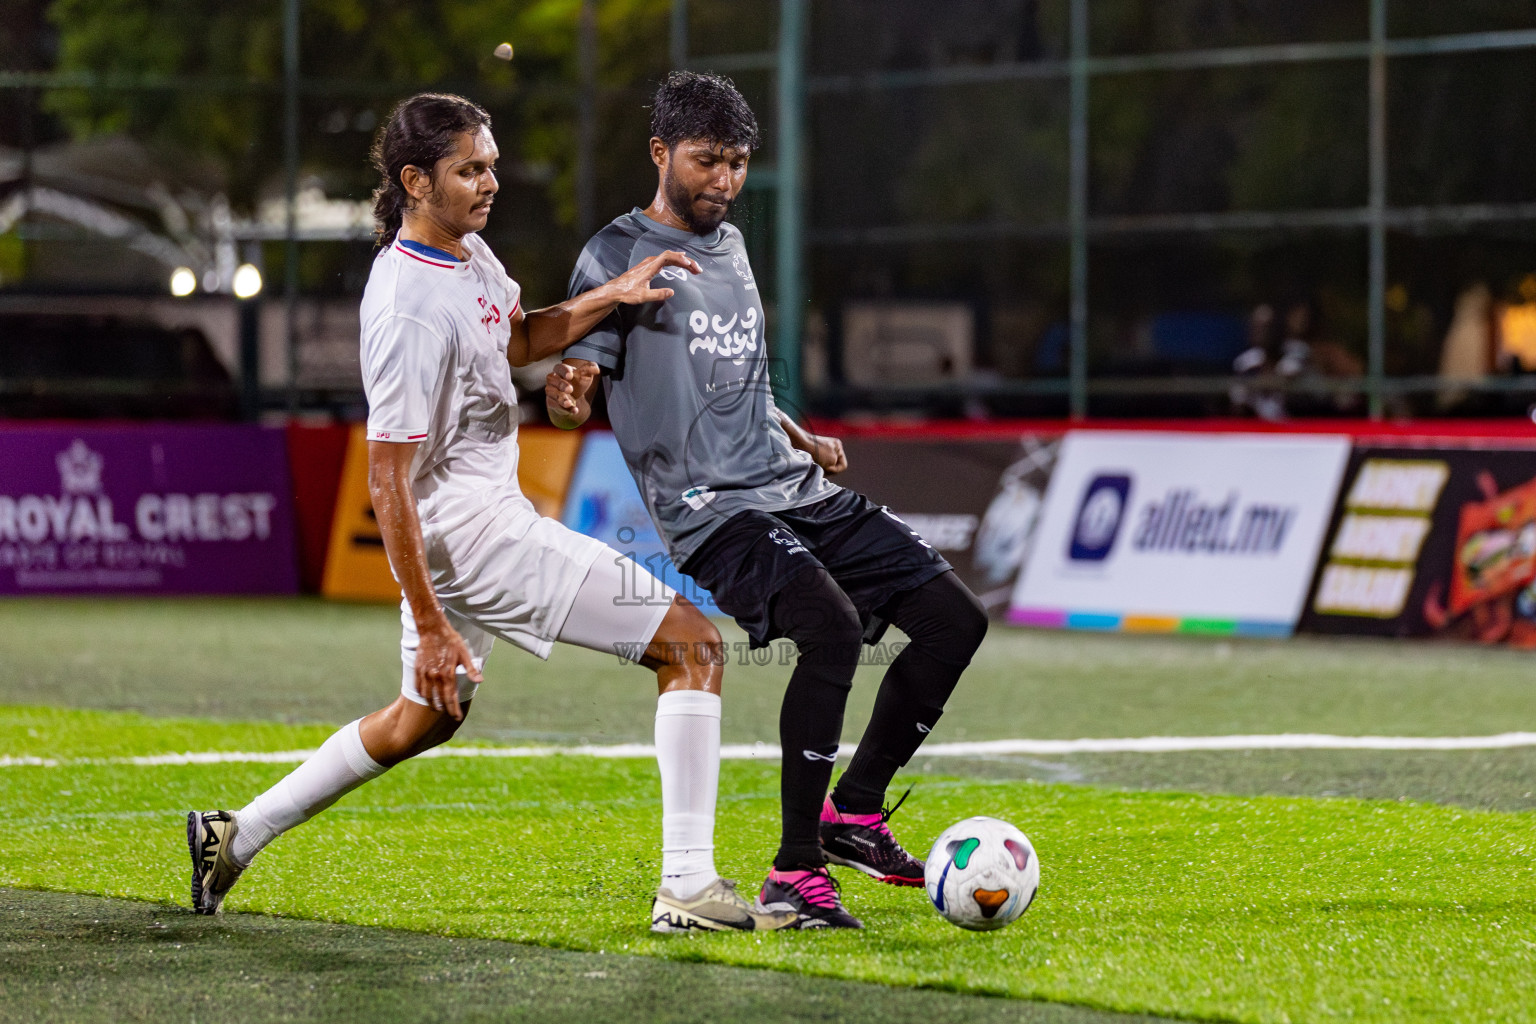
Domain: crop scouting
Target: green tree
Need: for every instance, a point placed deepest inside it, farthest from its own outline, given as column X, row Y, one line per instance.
column 357, row 58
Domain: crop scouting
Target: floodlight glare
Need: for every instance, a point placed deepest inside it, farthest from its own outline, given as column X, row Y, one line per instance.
column 183, row 282
column 247, row 281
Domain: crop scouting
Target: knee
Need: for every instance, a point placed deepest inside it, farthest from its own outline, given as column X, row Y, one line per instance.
column 690, row 644
column 945, row 619
column 970, row 623
column 821, row 620
column 832, row 627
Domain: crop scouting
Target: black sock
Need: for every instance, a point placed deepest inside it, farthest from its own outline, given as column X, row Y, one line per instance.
column 816, row 614
column 944, row 624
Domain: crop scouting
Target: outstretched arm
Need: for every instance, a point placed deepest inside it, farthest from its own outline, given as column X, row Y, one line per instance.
column 568, row 392
column 826, row 451
column 545, row 332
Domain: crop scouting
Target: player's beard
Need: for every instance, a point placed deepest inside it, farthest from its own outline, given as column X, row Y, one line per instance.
column 442, row 205
column 681, row 201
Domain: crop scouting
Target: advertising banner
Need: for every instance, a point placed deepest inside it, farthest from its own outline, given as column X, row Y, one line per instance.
column 356, row 565
column 145, row 510
column 976, row 501
column 546, row 458
column 1432, row 542
column 1165, row 532
column 316, row 455
column 603, row 502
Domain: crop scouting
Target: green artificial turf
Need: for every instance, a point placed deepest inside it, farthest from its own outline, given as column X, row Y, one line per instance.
column 1264, row 909
column 66, row 734
column 1257, row 908
column 1490, row 780
column 68, row 958
column 304, row 660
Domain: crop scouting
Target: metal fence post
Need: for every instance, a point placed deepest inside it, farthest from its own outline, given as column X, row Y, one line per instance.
column 1376, row 331
column 1077, row 214
column 586, row 122
column 789, row 269
column 290, row 194
column 677, row 37
column 248, row 319
column 27, row 100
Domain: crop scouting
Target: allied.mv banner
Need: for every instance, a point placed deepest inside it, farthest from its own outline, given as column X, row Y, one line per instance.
column 1173, row 532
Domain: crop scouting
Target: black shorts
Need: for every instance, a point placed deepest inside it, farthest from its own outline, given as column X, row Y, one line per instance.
column 754, row 555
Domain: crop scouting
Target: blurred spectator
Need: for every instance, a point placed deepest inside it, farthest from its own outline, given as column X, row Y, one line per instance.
column 1517, row 329
column 1306, row 350
column 1286, row 350
column 1467, row 355
column 1255, row 361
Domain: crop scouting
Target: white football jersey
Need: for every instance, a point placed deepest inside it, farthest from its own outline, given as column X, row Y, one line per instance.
column 434, row 360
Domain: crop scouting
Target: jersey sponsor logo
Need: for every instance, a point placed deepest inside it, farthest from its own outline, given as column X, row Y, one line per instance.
column 725, row 385
column 698, row 497
column 787, row 540
column 732, row 382
column 492, row 314
column 731, row 339
column 743, row 269
column 674, row 273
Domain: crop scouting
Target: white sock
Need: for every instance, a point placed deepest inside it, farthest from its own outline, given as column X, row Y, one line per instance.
column 338, row 767
column 688, row 754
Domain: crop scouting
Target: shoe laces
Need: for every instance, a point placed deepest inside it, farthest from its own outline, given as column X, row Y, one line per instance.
column 885, row 816
column 818, row 888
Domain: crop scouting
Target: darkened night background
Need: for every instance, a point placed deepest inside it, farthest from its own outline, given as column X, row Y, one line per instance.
column 1186, row 208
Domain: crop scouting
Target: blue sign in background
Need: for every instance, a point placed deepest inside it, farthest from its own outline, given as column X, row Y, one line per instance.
column 603, row 502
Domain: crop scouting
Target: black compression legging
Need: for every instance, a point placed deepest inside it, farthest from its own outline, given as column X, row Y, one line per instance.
column 814, row 612
column 945, row 624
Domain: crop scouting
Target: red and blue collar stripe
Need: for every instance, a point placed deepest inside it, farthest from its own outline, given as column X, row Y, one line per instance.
column 428, row 254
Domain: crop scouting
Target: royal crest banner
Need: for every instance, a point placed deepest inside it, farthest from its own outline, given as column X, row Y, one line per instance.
column 145, row 510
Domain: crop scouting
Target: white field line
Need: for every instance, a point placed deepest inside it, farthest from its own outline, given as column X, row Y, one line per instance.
column 767, row 751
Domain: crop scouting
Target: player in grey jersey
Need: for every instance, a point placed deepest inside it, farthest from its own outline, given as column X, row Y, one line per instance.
column 740, row 494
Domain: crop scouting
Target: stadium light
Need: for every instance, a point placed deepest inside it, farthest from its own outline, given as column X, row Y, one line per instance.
column 247, row 282
column 183, row 282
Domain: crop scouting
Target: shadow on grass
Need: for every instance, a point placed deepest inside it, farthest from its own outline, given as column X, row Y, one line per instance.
column 67, row 957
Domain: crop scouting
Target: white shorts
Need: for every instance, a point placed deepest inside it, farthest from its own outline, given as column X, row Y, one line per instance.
column 533, row 588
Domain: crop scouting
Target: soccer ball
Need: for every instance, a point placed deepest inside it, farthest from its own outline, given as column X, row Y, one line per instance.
column 982, row 874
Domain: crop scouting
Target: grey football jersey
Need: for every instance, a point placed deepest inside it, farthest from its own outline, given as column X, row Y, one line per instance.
column 687, row 384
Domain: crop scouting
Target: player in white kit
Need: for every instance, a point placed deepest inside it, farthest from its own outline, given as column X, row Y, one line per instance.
column 441, row 321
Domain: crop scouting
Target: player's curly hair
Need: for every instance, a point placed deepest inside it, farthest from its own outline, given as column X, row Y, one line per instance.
column 689, row 105
column 419, row 132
